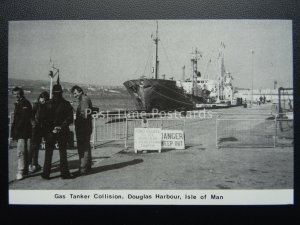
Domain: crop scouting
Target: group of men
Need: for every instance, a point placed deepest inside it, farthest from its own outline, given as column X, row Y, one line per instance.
column 49, row 119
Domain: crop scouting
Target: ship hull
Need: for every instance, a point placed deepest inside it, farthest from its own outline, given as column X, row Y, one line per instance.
column 161, row 95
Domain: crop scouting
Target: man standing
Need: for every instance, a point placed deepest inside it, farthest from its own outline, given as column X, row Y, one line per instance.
column 38, row 130
column 83, row 129
column 21, row 130
column 59, row 117
column 260, row 100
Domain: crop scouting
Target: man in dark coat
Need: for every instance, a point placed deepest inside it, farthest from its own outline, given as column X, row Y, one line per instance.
column 83, row 129
column 21, row 130
column 39, row 111
column 59, row 117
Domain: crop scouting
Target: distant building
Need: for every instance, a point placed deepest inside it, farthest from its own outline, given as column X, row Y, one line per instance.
column 270, row 94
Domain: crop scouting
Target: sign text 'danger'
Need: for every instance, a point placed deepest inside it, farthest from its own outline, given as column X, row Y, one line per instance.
column 172, row 139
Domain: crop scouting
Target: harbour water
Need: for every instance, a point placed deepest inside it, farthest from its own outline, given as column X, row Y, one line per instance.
column 104, row 103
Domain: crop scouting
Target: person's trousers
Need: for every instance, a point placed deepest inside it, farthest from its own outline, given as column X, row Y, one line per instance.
column 22, row 154
column 35, row 145
column 84, row 152
column 50, row 144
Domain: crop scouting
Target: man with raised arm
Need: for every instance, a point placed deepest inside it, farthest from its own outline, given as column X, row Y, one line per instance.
column 59, row 117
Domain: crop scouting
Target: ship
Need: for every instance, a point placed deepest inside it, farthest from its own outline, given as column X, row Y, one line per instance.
column 196, row 92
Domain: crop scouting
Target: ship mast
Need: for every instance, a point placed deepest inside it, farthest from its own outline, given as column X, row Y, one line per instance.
column 194, row 60
column 222, row 73
column 156, row 52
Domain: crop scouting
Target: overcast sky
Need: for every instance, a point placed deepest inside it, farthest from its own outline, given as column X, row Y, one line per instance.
column 111, row 52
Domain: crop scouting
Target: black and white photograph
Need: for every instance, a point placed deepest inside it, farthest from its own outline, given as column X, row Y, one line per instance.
column 176, row 112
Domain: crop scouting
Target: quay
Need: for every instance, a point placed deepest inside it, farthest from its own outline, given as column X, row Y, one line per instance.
column 200, row 166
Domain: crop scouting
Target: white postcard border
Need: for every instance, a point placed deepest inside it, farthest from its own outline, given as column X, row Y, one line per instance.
column 152, row 197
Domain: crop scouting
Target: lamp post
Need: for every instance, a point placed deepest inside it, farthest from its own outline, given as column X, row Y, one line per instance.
column 252, row 52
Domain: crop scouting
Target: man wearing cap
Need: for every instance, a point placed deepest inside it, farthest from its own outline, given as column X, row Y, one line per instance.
column 59, row 117
column 21, row 130
column 83, row 128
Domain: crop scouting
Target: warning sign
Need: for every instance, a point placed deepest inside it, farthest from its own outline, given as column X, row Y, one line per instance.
column 147, row 139
column 172, row 139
